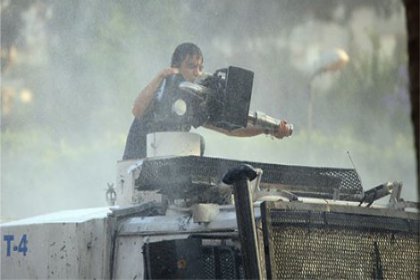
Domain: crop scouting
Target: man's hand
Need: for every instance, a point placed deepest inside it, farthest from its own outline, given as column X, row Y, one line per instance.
column 284, row 129
column 167, row 72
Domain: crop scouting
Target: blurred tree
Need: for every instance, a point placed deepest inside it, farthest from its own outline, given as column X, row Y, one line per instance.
column 372, row 87
column 11, row 24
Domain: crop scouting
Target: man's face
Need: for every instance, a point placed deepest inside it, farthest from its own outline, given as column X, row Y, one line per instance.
column 191, row 67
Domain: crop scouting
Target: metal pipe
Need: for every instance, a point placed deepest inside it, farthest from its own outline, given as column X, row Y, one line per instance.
column 240, row 178
column 263, row 120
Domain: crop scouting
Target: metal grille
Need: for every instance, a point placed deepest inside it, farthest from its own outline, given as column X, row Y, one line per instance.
column 219, row 263
column 328, row 253
column 208, row 263
column 169, row 174
column 321, row 245
column 227, row 263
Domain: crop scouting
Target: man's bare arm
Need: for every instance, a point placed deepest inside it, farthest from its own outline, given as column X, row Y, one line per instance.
column 249, row 131
column 145, row 97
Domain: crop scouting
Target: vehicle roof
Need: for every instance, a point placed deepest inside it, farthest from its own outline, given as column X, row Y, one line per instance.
column 67, row 216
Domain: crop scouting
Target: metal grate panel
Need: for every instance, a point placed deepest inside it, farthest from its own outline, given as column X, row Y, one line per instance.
column 219, row 263
column 323, row 245
column 177, row 174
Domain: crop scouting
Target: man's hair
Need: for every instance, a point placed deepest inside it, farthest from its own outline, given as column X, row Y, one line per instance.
column 182, row 51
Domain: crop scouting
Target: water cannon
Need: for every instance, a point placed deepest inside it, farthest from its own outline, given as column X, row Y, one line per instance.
column 224, row 97
column 223, row 101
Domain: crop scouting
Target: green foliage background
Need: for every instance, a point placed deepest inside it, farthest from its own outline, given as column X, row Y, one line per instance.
column 85, row 61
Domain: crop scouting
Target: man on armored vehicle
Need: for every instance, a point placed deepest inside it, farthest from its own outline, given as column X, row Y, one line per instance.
column 153, row 114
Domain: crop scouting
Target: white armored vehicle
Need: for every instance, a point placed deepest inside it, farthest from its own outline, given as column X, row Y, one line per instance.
column 177, row 214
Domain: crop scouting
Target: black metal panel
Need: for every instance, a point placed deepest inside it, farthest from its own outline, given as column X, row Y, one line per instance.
column 178, row 175
column 339, row 245
column 188, row 259
column 174, row 259
column 238, row 97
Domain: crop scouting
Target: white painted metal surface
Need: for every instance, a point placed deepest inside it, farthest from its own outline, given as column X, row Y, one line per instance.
column 127, row 171
column 173, row 144
column 126, row 193
column 176, row 222
column 69, row 244
column 205, row 212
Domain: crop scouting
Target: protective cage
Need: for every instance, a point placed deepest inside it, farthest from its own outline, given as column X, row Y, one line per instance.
column 339, row 242
column 177, row 175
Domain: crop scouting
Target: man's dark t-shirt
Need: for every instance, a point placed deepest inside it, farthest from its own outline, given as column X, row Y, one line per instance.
column 159, row 117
